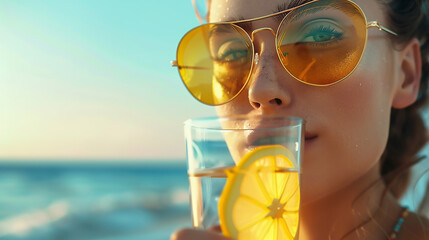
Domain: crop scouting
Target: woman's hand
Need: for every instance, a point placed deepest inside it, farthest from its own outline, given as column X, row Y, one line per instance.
column 193, row 234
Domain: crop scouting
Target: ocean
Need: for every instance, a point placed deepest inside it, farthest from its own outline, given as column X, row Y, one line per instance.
column 79, row 200
column 108, row 200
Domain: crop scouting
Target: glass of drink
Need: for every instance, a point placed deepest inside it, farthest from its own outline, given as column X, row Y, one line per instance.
column 244, row 175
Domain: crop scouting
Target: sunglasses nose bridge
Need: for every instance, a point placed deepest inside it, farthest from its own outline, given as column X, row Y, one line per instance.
column 256, row 59
column 262, row 29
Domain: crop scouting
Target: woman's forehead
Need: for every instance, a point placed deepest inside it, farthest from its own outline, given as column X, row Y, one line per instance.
column 232, row 10
column 229, row 10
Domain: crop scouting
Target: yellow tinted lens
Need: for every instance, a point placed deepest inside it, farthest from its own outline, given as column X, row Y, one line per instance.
column 322, row 43
column 214, row 61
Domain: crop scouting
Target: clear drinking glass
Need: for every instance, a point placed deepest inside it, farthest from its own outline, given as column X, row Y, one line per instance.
column 216, row 145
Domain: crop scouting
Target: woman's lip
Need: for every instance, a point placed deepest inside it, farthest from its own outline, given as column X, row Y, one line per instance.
column 309, row 136
column 271, row 140
column 255, row 138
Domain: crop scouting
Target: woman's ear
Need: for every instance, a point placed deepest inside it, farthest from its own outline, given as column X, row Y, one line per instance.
column 409, row 76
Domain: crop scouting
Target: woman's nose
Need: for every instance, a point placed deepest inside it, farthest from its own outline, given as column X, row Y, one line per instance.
column 268, row 89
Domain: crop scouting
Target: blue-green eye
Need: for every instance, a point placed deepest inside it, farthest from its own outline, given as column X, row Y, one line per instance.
column 233, row 55
column 322, row 34
column 232, row 51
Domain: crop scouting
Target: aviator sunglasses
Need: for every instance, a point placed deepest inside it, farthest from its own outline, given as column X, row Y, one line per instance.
column 319, row 43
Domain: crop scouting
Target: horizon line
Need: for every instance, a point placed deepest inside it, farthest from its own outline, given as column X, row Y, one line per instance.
column 94, row 160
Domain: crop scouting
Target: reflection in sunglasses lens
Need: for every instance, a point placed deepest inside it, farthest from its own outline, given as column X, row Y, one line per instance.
column 232, row 59
column 322, row 43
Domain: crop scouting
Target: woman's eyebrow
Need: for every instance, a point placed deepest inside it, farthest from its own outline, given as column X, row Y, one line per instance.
column 281, row 7
column 294, row 3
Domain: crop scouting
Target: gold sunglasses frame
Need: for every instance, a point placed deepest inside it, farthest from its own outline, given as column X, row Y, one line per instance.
column 369, row 24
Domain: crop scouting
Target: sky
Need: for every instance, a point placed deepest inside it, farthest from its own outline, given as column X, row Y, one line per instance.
column 91, row 79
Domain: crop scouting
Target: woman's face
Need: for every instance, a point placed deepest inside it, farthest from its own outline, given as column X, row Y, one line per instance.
column 347, row 123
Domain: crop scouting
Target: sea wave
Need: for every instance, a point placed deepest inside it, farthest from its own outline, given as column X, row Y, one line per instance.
column 110, row 215
column 23, row 223
column 83, row 204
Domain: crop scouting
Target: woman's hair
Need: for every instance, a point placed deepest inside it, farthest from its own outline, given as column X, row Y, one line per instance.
column 407, row 133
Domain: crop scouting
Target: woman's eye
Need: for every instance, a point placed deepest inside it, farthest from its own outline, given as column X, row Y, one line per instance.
column 320, row 31
column 319, row 37
column 233, row 55
column 232, row 51
column 322, row 35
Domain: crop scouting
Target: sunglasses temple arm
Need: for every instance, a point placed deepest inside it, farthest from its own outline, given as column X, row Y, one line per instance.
column 380, row 27
column 174, row 64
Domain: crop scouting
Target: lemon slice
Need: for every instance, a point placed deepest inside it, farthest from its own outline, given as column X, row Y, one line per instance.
column 261, row 196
